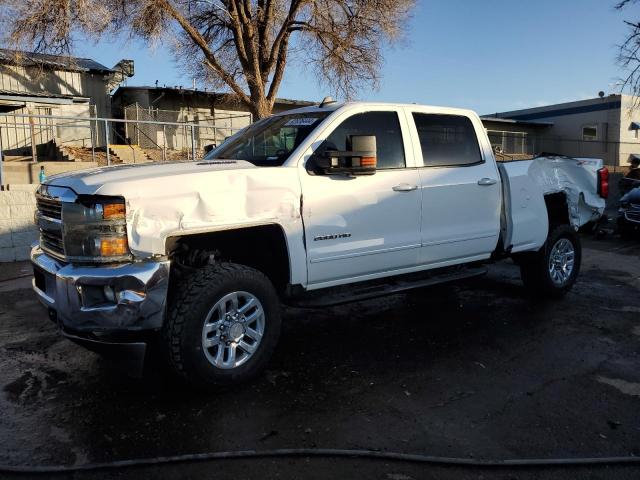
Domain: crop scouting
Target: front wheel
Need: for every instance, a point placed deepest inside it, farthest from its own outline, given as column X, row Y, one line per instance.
column 552, row 271
column 222, row 325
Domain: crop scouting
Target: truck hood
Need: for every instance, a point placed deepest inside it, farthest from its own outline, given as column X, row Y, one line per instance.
column 632, row 196
column 117, row 180
column 172, row 199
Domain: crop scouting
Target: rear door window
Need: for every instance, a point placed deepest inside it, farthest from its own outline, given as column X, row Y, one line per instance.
column 447, row 140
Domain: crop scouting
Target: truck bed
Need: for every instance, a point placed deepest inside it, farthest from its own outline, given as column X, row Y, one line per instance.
column 527, row 182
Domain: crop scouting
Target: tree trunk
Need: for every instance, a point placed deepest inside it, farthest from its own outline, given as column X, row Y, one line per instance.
column 260, row 108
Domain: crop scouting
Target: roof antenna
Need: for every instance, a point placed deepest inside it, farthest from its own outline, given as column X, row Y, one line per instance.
column 327, row 101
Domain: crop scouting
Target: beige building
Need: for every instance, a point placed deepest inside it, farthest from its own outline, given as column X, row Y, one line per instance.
column 38, row 84
column 219, row 114
column 605, row 127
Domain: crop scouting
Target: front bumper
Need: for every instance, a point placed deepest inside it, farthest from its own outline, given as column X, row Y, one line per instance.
column 629, row 217
column 70, row 292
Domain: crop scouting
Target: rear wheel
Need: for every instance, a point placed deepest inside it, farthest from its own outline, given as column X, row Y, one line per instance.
column 552, row 271
column 222, row 325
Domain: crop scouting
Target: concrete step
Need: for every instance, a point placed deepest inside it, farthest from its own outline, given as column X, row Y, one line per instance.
column 67, row 154
column 16, row 158
column 129, row 153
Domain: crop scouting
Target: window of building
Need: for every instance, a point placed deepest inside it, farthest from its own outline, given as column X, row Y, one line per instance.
column 447, row 140
column 384, row 125
column 589, row 132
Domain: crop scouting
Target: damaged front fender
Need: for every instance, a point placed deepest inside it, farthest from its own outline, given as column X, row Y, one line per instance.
column 218, row 201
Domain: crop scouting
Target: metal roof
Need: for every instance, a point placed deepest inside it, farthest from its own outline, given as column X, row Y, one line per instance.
column 42, row 94
column 191, row 91
column 13, row 96
column 514, row 121
column 74, row 64
column 611, row 102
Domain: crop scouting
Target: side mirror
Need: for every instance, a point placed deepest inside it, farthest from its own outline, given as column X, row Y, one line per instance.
column 360, row 160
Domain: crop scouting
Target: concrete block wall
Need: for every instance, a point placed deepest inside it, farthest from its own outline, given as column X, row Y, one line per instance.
column 17, row 230
column 17, row 173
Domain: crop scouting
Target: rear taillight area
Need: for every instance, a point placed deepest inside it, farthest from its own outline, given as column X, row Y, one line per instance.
column 603, row 182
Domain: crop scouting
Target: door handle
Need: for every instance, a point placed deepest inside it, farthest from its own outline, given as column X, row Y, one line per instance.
column 404, row 187
column 485, row 182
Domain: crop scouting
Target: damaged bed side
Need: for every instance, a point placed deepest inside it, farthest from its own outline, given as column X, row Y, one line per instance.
column 531, row 186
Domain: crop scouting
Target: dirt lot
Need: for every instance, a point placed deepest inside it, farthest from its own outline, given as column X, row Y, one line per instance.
column 476, row 370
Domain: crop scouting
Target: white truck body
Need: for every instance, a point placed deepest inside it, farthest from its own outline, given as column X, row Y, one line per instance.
column 336, row 229
column 449, row 219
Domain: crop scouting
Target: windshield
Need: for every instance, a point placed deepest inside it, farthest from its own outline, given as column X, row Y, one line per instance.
column 270, row 141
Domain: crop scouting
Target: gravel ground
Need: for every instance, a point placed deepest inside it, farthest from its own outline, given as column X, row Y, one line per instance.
column 475, row 370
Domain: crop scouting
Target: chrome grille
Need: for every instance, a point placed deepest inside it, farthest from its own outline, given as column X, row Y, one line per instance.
column 49, row 208
column 52, row 242
column 49, row 219
column 633, row 215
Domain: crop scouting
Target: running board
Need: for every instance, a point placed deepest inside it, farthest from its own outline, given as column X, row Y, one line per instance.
column 329, row 297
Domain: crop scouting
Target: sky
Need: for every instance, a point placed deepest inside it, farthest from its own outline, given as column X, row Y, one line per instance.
column 490, row 56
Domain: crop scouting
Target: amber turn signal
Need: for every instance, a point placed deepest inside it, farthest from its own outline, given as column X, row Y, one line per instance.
column 368, row 161
column 114, row 247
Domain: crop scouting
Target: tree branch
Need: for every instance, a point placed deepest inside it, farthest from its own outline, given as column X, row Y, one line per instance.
column 206, row 51
column 276, row 47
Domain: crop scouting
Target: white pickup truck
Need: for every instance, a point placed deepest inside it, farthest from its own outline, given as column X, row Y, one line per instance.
column 313, row 207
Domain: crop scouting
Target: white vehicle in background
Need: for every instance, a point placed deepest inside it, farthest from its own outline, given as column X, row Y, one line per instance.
column 316, row 206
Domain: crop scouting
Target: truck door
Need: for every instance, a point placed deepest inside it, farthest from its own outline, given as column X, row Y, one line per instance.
column 460, row 188
column 360, row 227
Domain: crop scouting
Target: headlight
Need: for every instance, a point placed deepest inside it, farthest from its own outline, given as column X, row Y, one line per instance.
column 95, row 245
column 95, row 230
column 91, row 211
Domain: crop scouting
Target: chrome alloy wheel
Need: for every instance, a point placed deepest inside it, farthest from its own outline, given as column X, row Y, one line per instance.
column 233, row 330
column 561, row 261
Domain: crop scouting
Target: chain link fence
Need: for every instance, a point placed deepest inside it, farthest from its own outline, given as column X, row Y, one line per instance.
column 509, row 146
column 177, row 132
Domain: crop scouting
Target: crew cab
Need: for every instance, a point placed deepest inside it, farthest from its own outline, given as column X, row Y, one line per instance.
column 312, row 207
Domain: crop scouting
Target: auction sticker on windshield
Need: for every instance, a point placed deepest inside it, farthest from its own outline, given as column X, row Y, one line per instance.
column 301, row 122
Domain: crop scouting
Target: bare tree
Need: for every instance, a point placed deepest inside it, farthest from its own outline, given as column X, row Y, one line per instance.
column 244, row 45
column 629, row 53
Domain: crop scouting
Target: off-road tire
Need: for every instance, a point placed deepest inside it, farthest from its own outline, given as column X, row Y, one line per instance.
column 193, row 297
column 534, row 267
